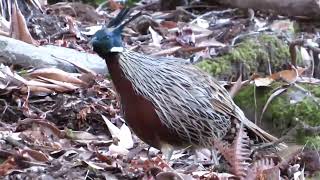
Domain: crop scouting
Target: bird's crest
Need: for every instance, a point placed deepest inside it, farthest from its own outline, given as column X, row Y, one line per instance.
column 108, row 39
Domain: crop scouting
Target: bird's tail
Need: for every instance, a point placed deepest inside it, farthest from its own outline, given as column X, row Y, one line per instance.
column 258, row 131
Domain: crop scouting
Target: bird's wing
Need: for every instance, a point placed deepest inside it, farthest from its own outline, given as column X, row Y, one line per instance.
column 181, row 97
column 186, row 99
column 222, row 102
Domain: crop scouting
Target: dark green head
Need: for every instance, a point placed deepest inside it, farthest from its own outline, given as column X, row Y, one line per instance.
column 105, row 41
column 108, row 39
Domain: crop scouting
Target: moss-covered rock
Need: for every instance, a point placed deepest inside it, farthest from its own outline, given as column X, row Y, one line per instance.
column 253, row 53
column 284, row 110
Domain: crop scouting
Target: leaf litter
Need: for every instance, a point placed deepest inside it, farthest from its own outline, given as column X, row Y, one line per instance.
column 58, row 124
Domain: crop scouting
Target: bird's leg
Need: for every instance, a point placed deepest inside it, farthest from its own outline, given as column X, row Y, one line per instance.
column 167, row 151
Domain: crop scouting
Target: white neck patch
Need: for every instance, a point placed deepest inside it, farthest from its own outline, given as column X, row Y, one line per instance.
column 116, row 49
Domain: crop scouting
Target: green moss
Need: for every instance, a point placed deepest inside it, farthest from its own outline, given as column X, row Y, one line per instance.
column 254, row 53
column 282, row 113
column 312, row 141
column 312, row 89
column 215, row 67
column 245, row 99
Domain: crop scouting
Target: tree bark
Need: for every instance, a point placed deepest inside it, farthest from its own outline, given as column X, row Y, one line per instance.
column 307, row 8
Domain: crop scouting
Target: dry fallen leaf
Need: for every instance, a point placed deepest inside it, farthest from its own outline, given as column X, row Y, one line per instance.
column 66, row 85
column 54, row 87
column 93, row 165
column 123, row 134
column 282, row 25
column 263, row 81
column 114, row 5
column 36, row 155
column 169, row 51
column 168, row 24
column 36, row 90
column 155, row 37
column 117, row 150
column 55, row 74
column 290, row 76
column 19, row 29
column 47, row 126
column 7, row 165
column 236, row 87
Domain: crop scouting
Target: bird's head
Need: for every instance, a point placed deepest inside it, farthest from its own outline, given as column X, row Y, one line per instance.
column 108, row 39
column 104, row 42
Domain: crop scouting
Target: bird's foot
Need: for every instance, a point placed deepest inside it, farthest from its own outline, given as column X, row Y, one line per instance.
column 167, row 151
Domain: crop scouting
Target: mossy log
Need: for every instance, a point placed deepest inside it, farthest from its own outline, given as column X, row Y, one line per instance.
column 258, row 54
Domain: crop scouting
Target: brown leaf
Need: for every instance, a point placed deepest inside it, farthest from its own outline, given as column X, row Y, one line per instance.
column 169, row 176
column 36, row 89
column 19, row 29
column 167, row 51
column 263, row 81
column 81, row 135
column 104, row 158
column 66, row 85
column 270, row 174
column 114, row 5
column 236, row 87
column 83, row 113
column 45, row 123
column 289, row 76
column 37, row 155
column 7, row 165
column 168, row 24
column 56, row 74
column 54, row 87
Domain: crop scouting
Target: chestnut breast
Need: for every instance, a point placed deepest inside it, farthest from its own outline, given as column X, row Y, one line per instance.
column 139, row 112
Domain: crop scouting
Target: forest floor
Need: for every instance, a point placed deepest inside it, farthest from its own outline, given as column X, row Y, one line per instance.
column 67, row 124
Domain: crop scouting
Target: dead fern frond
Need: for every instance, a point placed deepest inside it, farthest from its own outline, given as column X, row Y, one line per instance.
column 241, row 153
column 238, row 154
column 258, row 167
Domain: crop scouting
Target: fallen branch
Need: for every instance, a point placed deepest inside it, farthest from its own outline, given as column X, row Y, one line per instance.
column 20, row 53
column 307, row 8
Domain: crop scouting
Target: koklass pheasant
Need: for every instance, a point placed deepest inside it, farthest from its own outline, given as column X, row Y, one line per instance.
column 167, row 103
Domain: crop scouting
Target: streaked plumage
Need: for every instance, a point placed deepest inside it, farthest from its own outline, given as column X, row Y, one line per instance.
column 187, row 100
column 167, row 101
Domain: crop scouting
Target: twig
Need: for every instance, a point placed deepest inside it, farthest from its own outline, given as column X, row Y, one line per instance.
column 5, row 107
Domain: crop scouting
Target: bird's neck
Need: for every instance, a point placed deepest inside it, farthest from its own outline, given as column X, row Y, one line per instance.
column 113, row 64
column 119, row 80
